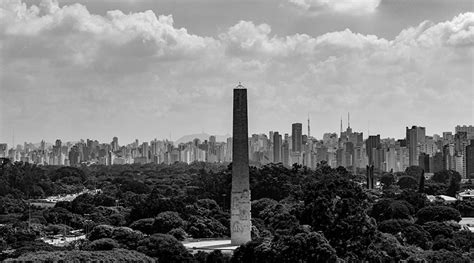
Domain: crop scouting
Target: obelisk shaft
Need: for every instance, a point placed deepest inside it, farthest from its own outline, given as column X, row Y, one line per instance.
column 240, row 197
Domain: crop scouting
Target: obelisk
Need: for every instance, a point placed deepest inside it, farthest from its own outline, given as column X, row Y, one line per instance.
column 240, row 224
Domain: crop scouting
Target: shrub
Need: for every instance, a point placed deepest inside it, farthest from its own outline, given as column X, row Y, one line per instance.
column 178, row 233
column 103, row 244
column 166, row 221
column 101, row 231
column 437, row 213
column 394, row 226
column 438, row 228
column 144, row 225
column 164, row 247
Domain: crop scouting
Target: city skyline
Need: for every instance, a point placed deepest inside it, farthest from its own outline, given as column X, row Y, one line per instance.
column 347, row 149
column 224, row 137
column 148, row 69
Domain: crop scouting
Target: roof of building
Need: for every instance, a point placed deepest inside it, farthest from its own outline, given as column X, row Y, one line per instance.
column 216, row 244
column 467, row 192
column 447, row 198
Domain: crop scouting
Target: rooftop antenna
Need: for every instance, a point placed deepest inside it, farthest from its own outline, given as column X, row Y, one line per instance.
column 348, row 120
column 341, row 125
column 309, row 127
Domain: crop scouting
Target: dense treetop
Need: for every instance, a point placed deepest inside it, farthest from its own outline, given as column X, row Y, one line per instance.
column 298, row 214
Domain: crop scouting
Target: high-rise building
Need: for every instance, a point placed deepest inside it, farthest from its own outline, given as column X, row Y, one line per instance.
column 379, row 158
column 469, row 130
column 74, row 158
column 448, row 136
column 437, row 162
column 285, row 152
column 415, row 139
column 296, row 137
column 115, row 145
column 470, row 160
column 3, row 150
column 424, row 162
column 373, row 142
column 460, row 141
column 240, row 222
column 448, row 157
column 391, row 159
column 276, row 147
column 459, row 165
column 145, row 151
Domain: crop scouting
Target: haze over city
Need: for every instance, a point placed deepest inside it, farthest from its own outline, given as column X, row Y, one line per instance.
column 161, row 69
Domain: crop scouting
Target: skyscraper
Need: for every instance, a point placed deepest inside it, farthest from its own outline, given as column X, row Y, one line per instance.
column 415, row 139
column 470, row 160
column 438, row 160
column 240, row 197
column 373, row 142
column 296, row 137
column 276, row 147
column 115, row 144
column 424, row 162
column 3, row 149
column 469, row 130
column 285, row 153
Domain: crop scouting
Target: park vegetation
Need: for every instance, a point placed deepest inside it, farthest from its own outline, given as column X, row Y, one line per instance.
column 144, row 212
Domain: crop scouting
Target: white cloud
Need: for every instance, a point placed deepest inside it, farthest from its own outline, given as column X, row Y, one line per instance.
column 355, row 7
column 127, row 67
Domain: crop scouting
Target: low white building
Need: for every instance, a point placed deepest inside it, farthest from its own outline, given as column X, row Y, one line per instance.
column 441, row 198
column 467, row 223
column 465, row 195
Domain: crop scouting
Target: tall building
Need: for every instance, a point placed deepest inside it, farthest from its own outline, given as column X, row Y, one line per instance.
column 424, row 162
column 145, row 151
column 437, row 162
column 469, row 130
column 114, row 143
column 240, row 197
column 470, row 160
column 285, row 152
column 460, row 141
column 74, row 158
column 391, row 160
column 379, row 158
column 459, row 165
column 276, row 147
column 373, row 142
column 296, row 137
column 3, row 150
column 415, row 139
column 448, row 157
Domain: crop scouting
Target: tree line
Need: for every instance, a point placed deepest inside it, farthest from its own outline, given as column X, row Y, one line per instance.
column 298, row 214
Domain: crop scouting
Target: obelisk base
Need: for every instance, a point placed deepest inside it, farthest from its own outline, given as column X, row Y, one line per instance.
column 241, row 225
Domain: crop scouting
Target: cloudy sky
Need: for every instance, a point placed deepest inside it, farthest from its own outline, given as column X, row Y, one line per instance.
column 150, row 68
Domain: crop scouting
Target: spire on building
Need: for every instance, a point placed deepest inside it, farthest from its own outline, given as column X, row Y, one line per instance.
column 309, row 127
column 341, row 126
column 348, row 120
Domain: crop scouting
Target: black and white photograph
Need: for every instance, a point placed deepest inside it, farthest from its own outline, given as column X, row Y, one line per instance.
column 237, row 131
